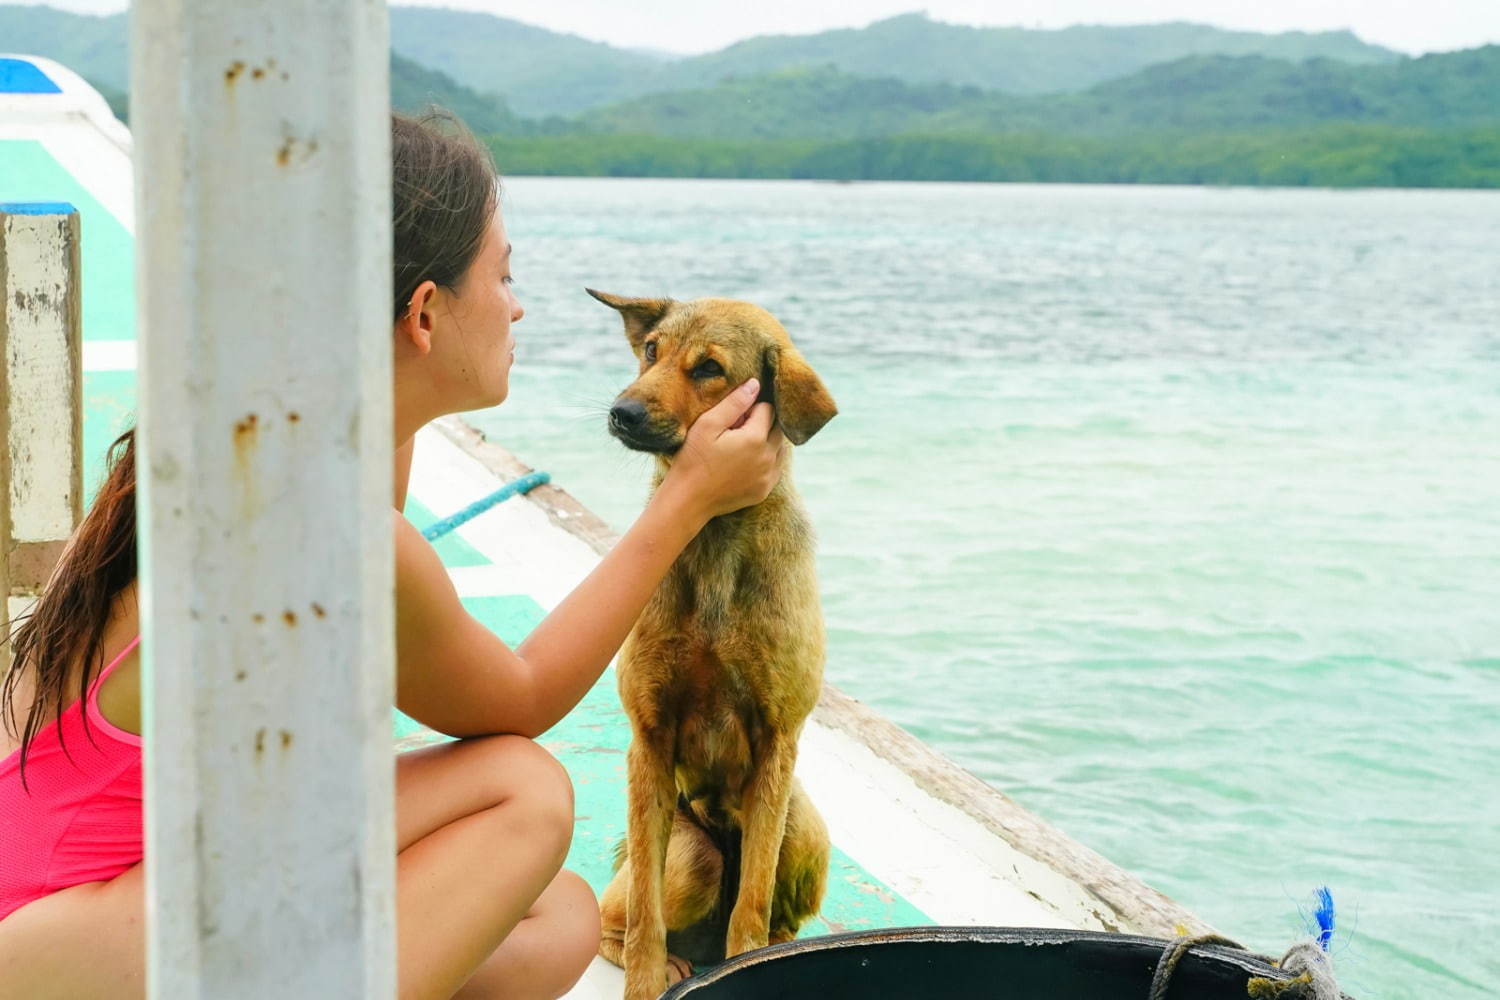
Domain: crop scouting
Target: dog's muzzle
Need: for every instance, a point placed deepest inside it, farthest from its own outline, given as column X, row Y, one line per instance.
column 627, row 416
column 631, row 425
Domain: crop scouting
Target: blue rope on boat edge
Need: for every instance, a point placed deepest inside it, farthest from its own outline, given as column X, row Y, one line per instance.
column 525, row 484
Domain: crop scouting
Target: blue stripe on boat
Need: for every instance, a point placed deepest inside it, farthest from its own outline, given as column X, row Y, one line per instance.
column 37, row 208
column 17, row 76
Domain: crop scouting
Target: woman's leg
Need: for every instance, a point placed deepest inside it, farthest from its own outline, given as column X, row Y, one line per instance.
column 78, row 944
column 482, row 827
column 548, row 951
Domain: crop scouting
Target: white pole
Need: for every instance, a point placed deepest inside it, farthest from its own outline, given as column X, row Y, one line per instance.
column 262, row 177
column 41, row 392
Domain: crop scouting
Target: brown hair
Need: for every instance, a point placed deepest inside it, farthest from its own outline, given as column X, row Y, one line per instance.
column 443, row 193
column 69, row 619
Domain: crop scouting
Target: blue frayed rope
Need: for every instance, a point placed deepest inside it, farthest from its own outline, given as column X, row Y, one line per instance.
column 525, row 484
column 1323, row 914
column 1307, row 961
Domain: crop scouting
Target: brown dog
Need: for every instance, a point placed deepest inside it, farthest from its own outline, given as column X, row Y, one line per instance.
column 723, row 851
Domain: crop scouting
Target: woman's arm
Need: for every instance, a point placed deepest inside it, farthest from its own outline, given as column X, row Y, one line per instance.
column 456, row 676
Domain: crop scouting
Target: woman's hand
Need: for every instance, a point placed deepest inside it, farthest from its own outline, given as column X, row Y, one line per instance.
column 732, row 457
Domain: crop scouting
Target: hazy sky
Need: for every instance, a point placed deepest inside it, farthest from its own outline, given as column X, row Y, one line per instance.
column 1413, row 26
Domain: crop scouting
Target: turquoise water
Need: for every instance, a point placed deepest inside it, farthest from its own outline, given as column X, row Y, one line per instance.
column 1173, row 513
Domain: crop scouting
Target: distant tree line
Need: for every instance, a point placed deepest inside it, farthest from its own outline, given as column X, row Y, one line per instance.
column 1337, row 155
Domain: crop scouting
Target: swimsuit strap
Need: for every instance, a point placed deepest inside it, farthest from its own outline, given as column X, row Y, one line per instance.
column 93, row 688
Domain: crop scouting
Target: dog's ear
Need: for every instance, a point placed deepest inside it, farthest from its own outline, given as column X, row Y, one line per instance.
column 640, row 315
column 802, row 402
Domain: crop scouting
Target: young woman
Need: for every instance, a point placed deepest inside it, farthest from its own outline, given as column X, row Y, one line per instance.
column 482, row 824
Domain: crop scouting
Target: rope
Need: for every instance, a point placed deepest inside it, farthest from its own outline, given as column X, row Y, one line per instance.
column 1174, row 953
column 1307, row 961
column 1314, row 976
column 523, row 485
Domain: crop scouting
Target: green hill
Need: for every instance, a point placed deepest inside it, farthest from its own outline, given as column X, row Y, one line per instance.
column 1215, row 92
column 414, row 88
column 910, row 98
column 93, row 47
column 540, row 72
column 1202, row 93
column 96, row 49
column 915, row 48
column 813, row 103
column 544, row 73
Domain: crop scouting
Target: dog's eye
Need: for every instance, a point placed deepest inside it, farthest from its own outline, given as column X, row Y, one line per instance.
column 650, row 352
column 708, row 369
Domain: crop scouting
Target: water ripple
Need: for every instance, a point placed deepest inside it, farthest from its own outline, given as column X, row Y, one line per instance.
column 1173, row 513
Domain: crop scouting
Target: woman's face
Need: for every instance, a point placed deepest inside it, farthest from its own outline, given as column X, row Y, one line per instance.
column 480, row 346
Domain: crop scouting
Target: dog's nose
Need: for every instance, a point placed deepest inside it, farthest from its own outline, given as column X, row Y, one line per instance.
column 627, row 415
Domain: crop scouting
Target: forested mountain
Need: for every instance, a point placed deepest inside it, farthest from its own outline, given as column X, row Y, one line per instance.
column 816, row 102
column 544, row 73
column 912, row 98
column 1201, row 93
column 917, row 49
column 93, row 47
column 415, row 87
column 96, row 49
column 539, row 72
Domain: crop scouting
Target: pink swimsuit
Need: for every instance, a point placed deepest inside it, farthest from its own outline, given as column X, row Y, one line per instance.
column 81, row 820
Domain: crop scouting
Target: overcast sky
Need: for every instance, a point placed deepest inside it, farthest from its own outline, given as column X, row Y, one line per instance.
column 1413, row 26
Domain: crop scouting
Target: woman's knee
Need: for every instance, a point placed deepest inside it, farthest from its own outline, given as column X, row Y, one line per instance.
column 537, row 790
column 577, row 925
column 579, row 899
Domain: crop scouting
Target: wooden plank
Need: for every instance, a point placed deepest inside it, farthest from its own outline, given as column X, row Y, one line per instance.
column 561, row 508
column 262, row 179
column 41, row 389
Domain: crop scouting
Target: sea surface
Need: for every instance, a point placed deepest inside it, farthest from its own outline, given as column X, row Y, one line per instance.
column 1173, row 513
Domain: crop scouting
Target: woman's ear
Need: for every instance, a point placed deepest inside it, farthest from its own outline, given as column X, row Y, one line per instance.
column 415, row 325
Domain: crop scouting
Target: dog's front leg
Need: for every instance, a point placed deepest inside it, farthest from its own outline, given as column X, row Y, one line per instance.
column 652, row 797
column 764, row 808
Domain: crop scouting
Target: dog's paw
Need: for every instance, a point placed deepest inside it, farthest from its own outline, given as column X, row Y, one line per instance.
column 747, row 930
column 637, row 990
column 678, row 969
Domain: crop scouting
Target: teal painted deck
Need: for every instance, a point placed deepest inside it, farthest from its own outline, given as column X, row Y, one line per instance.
column 590, row 742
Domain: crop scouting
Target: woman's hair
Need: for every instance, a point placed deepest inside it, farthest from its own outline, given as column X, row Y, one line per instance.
column 444, row 194
column 69, row 619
